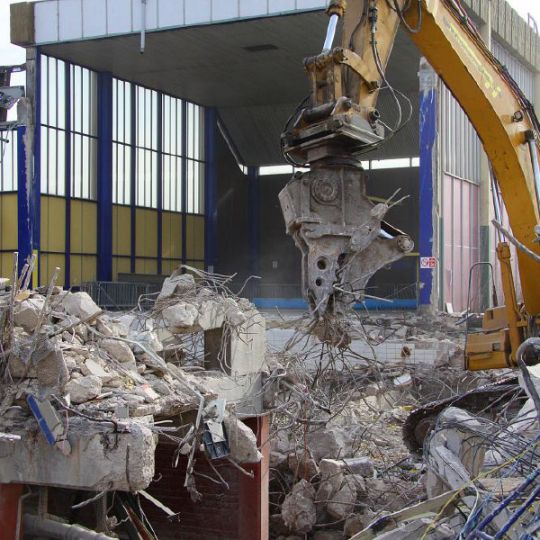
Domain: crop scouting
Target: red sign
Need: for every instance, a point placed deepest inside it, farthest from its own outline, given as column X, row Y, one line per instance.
column 428, row 263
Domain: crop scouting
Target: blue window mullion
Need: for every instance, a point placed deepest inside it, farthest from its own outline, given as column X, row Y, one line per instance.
column 184, row 182
column 67, row 173
column 133, row 179
column 159, row 180
column 104, row 177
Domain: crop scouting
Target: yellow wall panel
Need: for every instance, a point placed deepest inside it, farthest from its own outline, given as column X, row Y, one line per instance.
column 6, row 265
column 83, row 226
column 8, row 222
column 121, row 265
column 53, row 224
column 172, row 235
column 146, row 235
column 168, row 266
column 196, row 264
column 195, row 237
column 146, row 266
column 83, row 269
column 121, row 230
column 47, row 264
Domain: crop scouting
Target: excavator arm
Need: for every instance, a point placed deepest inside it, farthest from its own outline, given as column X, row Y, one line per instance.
column 343, row 237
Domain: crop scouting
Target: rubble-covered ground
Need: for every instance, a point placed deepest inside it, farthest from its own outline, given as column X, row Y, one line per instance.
column 89, row 393
column 338, row 458
column 339, row 466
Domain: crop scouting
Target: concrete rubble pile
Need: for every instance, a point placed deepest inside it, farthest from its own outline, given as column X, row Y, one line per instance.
column 83, row 391
column 341, row 465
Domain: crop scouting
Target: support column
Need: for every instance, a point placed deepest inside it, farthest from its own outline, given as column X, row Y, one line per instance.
column 485, row 202
column 67, row 175
column 133, row 180
column 428, row 175
column 104, row 178
column 10, row 495
column 184, row 180
column 253, row 504
column 160, row 184
column 23, row 207
column 29, row 166
column 210, row 189
column 254, row 202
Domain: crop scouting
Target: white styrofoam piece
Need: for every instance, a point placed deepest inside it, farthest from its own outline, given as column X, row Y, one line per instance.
column 119, row 16
column 46, row 21
column 198, row 11
column 170, row 13
column 94, row 18
column 70, row 20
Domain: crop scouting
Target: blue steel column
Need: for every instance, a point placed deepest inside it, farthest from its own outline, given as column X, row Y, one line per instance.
column 23, row 206
column 133, row 179
column 254, row 203
column 160, row 183
column 105, row 177
column 67, row 175
column 428, row 136
column 33, row 197
column 210, row 189
column 183, row 181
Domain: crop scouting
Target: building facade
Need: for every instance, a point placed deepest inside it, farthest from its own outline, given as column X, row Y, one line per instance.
column 152, row 140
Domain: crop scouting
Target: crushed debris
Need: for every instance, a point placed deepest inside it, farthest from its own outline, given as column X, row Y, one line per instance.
column 343, row 430
column 91, row 393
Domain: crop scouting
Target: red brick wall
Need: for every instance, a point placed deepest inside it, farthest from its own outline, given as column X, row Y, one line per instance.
column 239, row 513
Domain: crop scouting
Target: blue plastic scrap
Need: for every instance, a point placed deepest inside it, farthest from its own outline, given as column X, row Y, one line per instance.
column 36, row 407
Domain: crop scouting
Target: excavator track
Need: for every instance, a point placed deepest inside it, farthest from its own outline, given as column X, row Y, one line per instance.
column 486, row 400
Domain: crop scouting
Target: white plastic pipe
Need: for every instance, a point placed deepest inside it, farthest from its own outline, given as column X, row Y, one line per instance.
column 330, row 32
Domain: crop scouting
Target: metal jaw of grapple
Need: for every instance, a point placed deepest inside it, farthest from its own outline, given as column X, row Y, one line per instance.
column 341, row 234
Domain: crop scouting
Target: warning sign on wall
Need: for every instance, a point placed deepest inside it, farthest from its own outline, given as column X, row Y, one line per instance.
column 428, row 262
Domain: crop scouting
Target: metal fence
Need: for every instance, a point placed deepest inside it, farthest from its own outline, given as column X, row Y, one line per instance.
column 125, row 295
column 117, row 296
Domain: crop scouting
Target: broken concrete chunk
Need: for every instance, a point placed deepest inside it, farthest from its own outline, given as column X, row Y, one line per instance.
column 298, row 509
column 147, row 338
column 177, row 284
column 360, row 465
column 242, row 441
column 84, row 388
column 52, row 372
column 331, row 443
column 210, row 315
column 91, row 367
column 146, row 392
column 343, row 502
column 233, row 314
column 302, row 465
column 106, row 327
column 180, row 315
column 119, row 350
column 81, row 305
column 18, row 368
column 26, row 314
column 332, row 472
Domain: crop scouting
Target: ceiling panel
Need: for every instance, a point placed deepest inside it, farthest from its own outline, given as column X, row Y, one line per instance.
column 254, row 91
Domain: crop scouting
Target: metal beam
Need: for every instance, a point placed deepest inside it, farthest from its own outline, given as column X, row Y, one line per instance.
column 428, row 135
column 105, row 177
column 210, row 189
